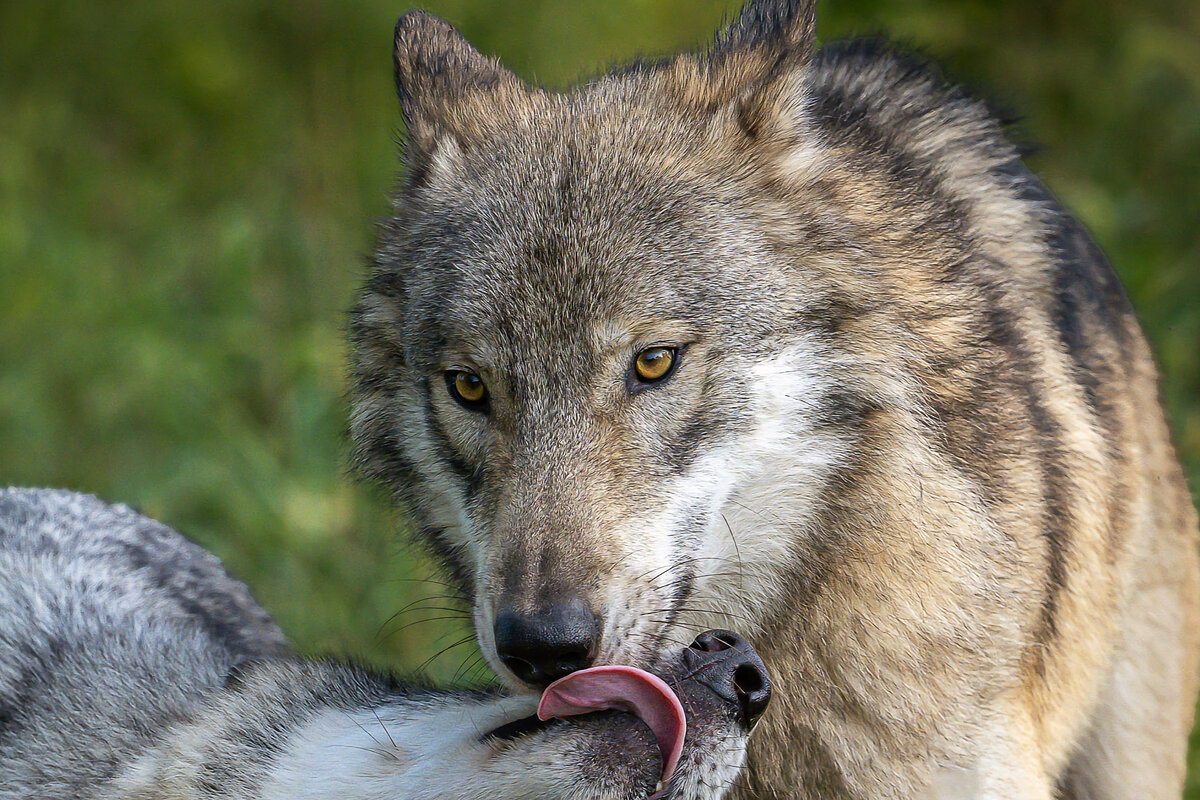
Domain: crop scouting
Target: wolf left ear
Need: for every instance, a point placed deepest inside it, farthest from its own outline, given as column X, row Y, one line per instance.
column 438, row 74
column 753, row 59
column 780, row 30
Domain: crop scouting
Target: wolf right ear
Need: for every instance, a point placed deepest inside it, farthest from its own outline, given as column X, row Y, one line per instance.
column 437, row 72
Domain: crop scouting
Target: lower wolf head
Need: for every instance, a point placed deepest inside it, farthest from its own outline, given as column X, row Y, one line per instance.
column 599, row 356
column 133, row 666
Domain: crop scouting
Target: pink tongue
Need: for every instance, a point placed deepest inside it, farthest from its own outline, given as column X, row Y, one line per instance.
column 627, row 689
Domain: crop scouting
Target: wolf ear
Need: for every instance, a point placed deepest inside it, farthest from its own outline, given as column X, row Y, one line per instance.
column 778, row 29
column 437, row 73
column 754, row 59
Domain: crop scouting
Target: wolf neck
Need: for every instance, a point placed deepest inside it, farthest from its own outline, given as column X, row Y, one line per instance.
column 337, row 754
column 320, row 738
column 383, row 753
column 875, row 606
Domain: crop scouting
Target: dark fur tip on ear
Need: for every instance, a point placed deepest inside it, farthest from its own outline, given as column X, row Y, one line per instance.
column 433, row 63
column 423, row 44
column 787, row 27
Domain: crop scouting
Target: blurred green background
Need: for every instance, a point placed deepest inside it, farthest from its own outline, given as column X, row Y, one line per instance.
column 187, row 193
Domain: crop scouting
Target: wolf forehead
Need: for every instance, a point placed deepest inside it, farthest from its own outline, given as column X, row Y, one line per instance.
column 523, row 208
column 567, row 226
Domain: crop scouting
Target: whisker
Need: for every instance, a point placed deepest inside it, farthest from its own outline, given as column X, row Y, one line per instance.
column 427, row 598
column 738, row 551
column 450, row 586
column 656, row 637
column 379, row 748
column 469, row 663
column 699, row 575
column 414, row 606
column 681, row 563
column 695, row 610
column 405, row 627
column 433, row 657
column 385, row 730
column 775, row 518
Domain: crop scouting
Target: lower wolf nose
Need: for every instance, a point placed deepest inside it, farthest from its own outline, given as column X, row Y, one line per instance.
column 727, row 664
column 542, row 647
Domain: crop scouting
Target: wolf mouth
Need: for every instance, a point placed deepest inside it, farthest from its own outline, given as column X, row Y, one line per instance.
column 719, row 664
column 613, row 688
column 627, row 689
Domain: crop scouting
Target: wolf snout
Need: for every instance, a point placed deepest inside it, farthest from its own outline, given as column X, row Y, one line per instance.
column 728, row 665
column 542, row 646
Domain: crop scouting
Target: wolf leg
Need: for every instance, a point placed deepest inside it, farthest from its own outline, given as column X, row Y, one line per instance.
column 1136, row 744
column 1010, row 768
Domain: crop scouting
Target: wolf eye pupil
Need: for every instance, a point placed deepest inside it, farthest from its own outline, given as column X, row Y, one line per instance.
column 655, row 363
column 467, row 387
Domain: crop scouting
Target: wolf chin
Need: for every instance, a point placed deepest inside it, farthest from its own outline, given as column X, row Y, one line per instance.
column 789, row 340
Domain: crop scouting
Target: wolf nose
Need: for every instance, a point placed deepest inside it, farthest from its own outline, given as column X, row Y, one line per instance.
column 542, row 647
column 726, row 663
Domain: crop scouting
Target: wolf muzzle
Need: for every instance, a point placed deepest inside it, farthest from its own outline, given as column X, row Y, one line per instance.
column 728, row 665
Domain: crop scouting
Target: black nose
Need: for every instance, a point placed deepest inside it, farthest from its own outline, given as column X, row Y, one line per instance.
column 726, row 663
column 541, row 647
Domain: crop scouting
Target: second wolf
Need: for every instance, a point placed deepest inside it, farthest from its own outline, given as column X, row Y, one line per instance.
column 132, row 667
column 789, row 340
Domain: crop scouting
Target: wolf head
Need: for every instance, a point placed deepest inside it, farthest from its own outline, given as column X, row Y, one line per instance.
column 593, row 358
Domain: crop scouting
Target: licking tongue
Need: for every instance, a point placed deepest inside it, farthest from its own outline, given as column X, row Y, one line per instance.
column 625, row 689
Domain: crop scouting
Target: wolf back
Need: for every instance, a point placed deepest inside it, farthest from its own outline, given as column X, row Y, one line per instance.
column 81, row 689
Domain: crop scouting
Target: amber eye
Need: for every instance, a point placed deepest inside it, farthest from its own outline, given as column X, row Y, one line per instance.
column 467, row 388
column 655, row 364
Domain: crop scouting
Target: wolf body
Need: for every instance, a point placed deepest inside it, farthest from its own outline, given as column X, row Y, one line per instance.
column 909, row 440
column 132, row 667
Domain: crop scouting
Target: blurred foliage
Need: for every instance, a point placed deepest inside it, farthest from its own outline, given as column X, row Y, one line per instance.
column 186, row 196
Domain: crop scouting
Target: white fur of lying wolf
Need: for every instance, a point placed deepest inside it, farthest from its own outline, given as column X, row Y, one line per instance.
column 132, row 666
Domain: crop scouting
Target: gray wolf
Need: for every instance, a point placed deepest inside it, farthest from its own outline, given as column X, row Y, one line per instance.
column 786, row 339
column 133, row 667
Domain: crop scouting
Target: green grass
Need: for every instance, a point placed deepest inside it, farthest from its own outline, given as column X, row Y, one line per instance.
column 186, row 195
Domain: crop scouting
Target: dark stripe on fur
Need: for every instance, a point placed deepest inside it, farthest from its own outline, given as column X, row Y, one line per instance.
column 184, row 581
column 447, row 556
column 1008, row 334
column 1066, row 790
column 1090, row 313
column 847, row 410
column 14, row 704
column 850, row 118
column 821, row 776
column 681, row 587
column 702, row 426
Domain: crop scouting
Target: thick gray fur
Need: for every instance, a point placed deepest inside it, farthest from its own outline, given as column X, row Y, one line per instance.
column 133, row 667
column 87, row 592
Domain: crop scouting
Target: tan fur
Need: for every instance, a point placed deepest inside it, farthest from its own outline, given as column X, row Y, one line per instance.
column 919, row 439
